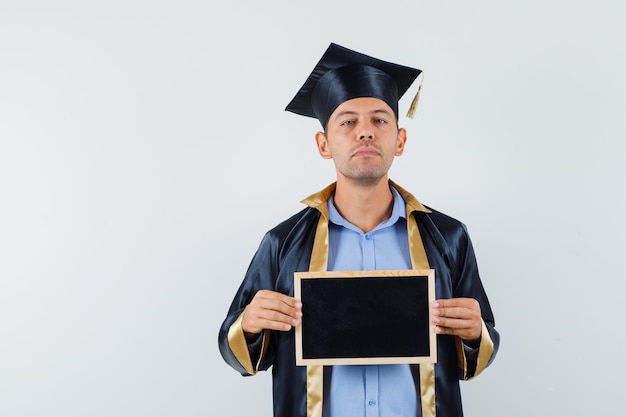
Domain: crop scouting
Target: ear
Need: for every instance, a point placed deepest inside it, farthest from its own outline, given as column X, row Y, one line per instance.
column 322, row 145
column 401, row 141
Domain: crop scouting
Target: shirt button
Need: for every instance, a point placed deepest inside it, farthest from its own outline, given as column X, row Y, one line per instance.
column 372, row 402
column 367, row 237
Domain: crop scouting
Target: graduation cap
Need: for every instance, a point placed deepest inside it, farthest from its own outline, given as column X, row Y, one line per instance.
column 343, row 74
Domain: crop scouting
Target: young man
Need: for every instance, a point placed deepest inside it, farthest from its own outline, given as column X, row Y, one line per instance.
column 364, row 221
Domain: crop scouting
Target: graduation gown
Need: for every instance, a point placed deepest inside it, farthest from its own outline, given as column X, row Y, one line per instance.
column 300, row 243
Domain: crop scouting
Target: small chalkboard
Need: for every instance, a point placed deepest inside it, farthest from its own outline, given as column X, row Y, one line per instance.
column 365, row 317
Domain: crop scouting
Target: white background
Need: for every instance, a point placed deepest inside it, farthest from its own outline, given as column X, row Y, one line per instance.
column 144, row 151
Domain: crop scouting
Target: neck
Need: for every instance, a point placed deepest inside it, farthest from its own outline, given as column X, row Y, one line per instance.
column 365, row 206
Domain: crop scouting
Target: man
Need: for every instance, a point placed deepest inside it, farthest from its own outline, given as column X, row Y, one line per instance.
column 364, row 221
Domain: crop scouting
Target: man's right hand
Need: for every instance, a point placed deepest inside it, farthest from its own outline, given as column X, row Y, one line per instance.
column 271, row 310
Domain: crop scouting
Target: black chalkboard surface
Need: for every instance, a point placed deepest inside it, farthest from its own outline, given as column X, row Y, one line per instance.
column 365, row 317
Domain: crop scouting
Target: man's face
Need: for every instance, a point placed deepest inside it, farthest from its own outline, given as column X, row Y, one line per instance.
column 362, row 138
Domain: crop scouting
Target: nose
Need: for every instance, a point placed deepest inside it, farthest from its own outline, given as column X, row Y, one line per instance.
column 365, row 130
column 366, row 133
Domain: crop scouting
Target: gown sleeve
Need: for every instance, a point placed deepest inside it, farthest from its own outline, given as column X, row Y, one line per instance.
column 468, row 284
column 245, row 357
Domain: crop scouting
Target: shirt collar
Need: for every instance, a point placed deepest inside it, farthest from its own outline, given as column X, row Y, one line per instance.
column 398, row 211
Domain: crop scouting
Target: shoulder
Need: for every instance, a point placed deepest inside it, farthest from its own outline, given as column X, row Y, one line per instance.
column 289, row 241
column 298, row 228
column 442, row 220
column 304, row 218
column 447, row 232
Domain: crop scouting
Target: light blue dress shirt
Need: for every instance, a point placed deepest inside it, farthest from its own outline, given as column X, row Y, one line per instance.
column 371, row 390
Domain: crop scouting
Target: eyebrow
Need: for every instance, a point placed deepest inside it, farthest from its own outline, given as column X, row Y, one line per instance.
column 352, row 112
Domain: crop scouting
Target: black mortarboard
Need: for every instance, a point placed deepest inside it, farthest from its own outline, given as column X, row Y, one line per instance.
column 343, row 74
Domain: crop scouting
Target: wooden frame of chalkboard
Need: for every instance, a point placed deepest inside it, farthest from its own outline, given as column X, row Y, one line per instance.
column 365, row 317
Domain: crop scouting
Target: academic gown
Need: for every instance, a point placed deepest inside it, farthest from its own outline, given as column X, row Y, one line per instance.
column 300, row 243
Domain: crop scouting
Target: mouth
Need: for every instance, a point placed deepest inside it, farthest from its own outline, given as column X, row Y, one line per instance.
column 365, row 151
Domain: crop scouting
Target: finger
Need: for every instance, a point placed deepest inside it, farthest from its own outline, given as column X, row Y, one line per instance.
column 465, row 329
column 452, row 332
column 450, row 302
column 467, row 308
column 270, row 319
column 271, row 300
column 454, row 324
column 457, row 302
column 456, row 312
column 278, row 295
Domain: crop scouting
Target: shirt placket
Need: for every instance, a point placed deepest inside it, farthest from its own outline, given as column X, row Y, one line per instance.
column 367, row 252
column 371, row 391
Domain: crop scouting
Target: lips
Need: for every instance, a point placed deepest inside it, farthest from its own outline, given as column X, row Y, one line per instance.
column 366, row 151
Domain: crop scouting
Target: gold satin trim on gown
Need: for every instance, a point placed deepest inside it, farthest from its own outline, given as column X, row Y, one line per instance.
column 319, row 262
column 420, row 261
column 239, row 346
column 427, row 389
column 485, row 351
column 314, row 390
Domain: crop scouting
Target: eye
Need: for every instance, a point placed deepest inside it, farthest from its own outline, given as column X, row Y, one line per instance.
column 347, row 123
column 380, row 121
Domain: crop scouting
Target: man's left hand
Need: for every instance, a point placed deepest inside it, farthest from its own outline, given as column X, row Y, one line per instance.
column 459, row 317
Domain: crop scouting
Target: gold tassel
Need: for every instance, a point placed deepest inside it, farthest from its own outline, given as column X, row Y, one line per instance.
column 413, row 107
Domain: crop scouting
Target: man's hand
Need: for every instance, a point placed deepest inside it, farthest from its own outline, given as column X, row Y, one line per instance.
column 459, row 317
column 271, row 310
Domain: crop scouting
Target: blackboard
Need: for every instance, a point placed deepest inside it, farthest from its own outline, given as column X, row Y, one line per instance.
column 365, row 317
